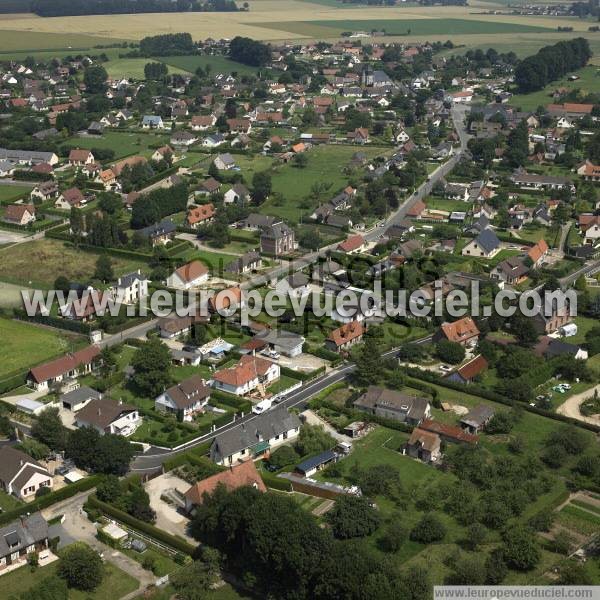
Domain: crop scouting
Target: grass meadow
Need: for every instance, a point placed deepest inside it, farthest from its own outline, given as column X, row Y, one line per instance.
column 10, row 193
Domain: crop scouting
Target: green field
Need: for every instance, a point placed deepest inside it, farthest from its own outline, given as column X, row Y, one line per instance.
column 589, row 82
column 123, row 143
column 39, row 263
column 10, row 193
column 134, row 68
column 218, row 64
column 24, row 345
column 116, row 583
column 402, row 27
column 33, row 41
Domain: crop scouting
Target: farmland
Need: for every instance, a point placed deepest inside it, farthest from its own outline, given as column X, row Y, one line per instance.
column 28, row 38
column 217, row 63
column 24, row 345
column 39, row 263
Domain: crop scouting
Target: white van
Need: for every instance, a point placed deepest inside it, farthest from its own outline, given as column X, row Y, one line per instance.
column 262, row 407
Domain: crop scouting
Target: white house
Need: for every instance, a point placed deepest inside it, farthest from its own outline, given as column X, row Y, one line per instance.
column 485, row 245
column 250, row 373
column 188, row 276
column 20, row 475
column 188, row 398
column 129, row 288
column 109, row 416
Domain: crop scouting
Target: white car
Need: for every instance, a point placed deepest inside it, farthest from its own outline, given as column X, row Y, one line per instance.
column 445, row 368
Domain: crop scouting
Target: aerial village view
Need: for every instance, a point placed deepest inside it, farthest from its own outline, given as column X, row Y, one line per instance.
column 299, row 299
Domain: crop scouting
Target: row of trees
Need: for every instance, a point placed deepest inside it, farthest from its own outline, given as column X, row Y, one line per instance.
column 61, row 8
column 249, row 52
column 551, row 63
column 152, row 207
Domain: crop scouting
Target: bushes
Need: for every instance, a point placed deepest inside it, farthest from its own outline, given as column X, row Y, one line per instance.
column 185, row 457
column 153, row 532
column 68, row 324
column 276, row 483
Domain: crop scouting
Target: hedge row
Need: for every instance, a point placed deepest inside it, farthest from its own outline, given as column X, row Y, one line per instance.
column 239, row 404
column 477, row 390
column 186, row 457
column 51, row 321
column 150, row 530
column 277, row 483
column 300, row 376
column 10, row 383
column 45, row 501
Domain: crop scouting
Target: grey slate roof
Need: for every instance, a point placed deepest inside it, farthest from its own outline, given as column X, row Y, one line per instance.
column 488, row 240
column 82, row 394
column 478, row 416
column 261, row 428
column 20, row 534
column 12, row 460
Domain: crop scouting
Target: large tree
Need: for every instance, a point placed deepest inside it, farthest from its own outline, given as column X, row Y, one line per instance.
column 95, row 78
column 81, row 567
column 109, row 453
column 521, row 548
column 152, row 363
column 49, row 430
column 351, row 517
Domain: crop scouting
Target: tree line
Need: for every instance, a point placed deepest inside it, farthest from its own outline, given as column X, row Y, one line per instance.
column 551, row 63
column 61, row 8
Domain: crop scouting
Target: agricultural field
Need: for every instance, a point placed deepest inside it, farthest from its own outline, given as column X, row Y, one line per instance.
column 24, row 344
column 31, row 40
column 39, row 263
column 397, row 27
column 588, row 82
column 134, row 68
column 217, row 64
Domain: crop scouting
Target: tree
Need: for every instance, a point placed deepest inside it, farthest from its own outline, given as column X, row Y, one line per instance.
column 155, row 70
column 283, row 456
column 95, row 78
column 351, row 517
column 261, row 186
column 139, row 505
column 109, row 453
column 476, row 534
column 521, row 549
column 152, row 363
column 496, row 567
column 49, row 430
column 525, row 330
column 429, row 529
column 313, row 439
column 394, row 536
column 469, row 570
column 501, row 422
column 104, row 269
column 450, row 352
column 301, row 160
column 76, row 222
column 109, row 489
column 368, row 362
column 193, row 581
column 50, row 588
column 572, row 573
column 81, row 567
column 62, row 284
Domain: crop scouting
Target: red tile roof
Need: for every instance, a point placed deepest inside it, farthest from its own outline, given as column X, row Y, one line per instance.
column 64, row 364
column 354, row 242
column 536, row 252
column 448, row 431
column 249, row 368
column 201, row 213
column 459, row 331
column 192, row 270
column 346, row 333
column 473, row 368
column 244, row 474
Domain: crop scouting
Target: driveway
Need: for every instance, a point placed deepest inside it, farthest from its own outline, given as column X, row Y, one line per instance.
column 570, row 407
column 168, row 518
column 314, row 419
column 302, row 363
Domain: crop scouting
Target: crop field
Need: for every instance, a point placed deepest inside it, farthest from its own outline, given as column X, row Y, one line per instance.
column 588, row 82
column 24, row 344
column 39, row 263
column 218, row 64
column 31, row 40
column 446, row 27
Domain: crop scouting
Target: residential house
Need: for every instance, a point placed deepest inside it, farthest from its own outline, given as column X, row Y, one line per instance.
column 21, row 475
column 77, row 398
column 44, row 191
column 538, row 253
column 589, row 225
column 249, row 261
column 477, row 418
column 512, row 271
column 352, row 245
column 255, row 438
column 183, row 138
column 152, row 122
column 163, row 153
column 308, row 467
column 463, row 331
column 558, row 317
column 589, row 171
column 71, row 198
column 485, row 245
column 250, row 373
column 203, row 122
column 238, row 194
column 209, row 186
column 548, row 347
column 297, row 284
column 391, row 404
column 281, row 341
column 159, row 233
column 469, row 371
column 79, row 157
column 540, row 182
column 213, row 141
column 226, row 301
column 23, row 537
column 109, row 416
column 68, row 366
column 344, row 337
column 359, row 136
column 172, row 327
column 200, row 215
column 19, row 214
column 424, row 445
column 449, row 433
column 224, row 162
column 277, row 239
column 188, row 276
column 129, row 288
column 188, row 398
column 239, row 475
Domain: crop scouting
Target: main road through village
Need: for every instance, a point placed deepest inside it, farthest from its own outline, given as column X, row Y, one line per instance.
column 153, row 458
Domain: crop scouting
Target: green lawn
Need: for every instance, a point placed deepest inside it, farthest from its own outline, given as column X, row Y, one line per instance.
column 10, row 193
column 216, row 261
column 25, row 345
column 8, row 502
column 122, row 142
column 134, row 68
column 588, row 81
column 218, row 64
column 116, row 583
column 283, row 383
column 584, row 324
column 434, row 203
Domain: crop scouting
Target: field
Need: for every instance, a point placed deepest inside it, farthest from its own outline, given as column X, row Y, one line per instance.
column 24, row 345
column 217, row 64
column 39, row 263
column 116, row 583
column 398, row 27
column 589, row 81
column 124, row 144
column 10, row 193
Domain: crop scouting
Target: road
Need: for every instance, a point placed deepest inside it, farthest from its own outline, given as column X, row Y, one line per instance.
column 152, row 460
column 458, row 117
column 590, row 268
column 570, row 407
column 133, row 332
